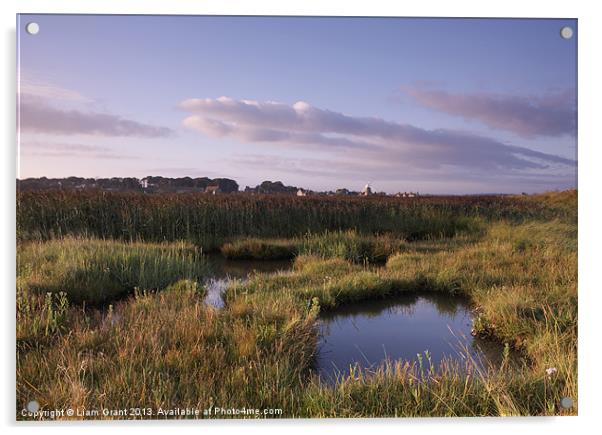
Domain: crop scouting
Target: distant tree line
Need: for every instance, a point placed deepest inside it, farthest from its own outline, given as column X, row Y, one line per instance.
column 129, row 184
column 158, row 184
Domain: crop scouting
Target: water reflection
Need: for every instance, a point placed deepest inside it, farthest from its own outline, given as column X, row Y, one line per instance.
column 224, row 270
column 369, row 332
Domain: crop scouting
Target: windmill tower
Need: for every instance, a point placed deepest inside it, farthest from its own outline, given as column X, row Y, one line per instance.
column 367, row 190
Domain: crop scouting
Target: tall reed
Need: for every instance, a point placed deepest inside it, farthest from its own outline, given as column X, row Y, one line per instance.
column 209, row 220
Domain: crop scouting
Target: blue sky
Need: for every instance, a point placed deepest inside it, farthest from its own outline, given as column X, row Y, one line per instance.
column 428, row 105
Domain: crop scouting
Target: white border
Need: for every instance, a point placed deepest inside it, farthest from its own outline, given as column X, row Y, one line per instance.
column 590, row 33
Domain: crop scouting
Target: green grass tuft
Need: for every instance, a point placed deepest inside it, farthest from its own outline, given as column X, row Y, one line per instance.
column 97, row 271
column 257, row 249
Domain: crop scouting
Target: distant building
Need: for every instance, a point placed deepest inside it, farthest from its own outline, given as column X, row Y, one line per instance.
column 144, row 183
column 406, row 195
column 301, row 192
column 213, row 190
column 342, row 192
column 367, row 191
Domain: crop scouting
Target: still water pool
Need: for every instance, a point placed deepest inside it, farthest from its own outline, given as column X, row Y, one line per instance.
column 364, row 334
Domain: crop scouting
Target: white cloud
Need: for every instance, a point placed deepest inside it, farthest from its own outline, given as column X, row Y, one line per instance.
column 552, row 114
column 374, row 139
column 49, row 91
column 47, row 108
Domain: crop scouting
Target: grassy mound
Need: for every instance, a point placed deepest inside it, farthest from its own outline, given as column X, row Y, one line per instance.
column 98, row 271
column 351, row 245
column 257, row 249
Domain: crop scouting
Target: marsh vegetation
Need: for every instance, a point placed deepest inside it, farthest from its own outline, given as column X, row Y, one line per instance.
column 112, row 312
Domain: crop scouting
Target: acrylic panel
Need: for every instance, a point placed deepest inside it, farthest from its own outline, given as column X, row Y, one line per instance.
column 282, row 217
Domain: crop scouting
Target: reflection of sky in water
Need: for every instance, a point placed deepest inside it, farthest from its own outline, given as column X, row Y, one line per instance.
column 223, row 271
column 370, row 331
column 215, row 289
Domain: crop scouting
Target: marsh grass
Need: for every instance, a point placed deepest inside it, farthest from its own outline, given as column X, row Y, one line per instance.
column 210, row 221
column 418, row 389
column 97, row 271
column 258, row 249
column 168, row 348
column 39, row 317
column 349, row 245
column 522, row 282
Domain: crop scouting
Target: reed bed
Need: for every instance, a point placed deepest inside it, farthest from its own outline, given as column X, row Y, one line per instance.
column 210, row 221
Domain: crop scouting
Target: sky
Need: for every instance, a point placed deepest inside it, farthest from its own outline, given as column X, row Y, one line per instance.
column 442, row 106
